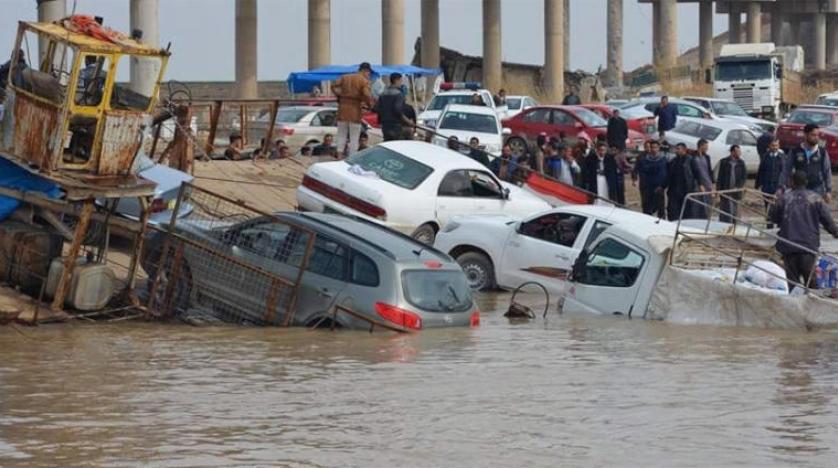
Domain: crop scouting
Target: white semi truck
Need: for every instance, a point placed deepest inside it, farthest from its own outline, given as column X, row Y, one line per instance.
column 762, row 78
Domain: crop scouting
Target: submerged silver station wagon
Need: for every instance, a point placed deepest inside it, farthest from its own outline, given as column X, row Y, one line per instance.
column 377, row 274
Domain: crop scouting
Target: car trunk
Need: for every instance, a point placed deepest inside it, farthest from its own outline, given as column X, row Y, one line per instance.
column 344, row 184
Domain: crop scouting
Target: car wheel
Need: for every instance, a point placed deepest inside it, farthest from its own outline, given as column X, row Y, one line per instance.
column 480, row 273
column 425, row 234
column 518, row 146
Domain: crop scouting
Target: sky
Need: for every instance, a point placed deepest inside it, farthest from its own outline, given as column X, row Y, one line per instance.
column 201, row 32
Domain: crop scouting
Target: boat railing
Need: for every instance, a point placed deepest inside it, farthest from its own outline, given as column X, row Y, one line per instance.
column 757, row 240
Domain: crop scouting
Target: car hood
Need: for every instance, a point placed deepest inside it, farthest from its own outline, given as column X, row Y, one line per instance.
column 429, row 115
column 751, row 122
column 465, row 135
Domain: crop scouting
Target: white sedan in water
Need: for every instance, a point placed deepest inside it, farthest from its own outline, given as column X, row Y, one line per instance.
column 412, row 187
column 498, row 251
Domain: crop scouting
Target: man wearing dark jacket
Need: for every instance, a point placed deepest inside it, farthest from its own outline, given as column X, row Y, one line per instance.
column 701, row 168
column 813, row 160
column 667, row 115
column 617, row 132
column 599, row 173
column 732, row 176
column 390, row 110
column 800, row 213
column 771, row 166
column 571, row 98
column 652, row 172
column 680, row 182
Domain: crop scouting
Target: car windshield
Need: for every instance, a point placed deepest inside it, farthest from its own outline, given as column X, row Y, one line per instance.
column 821, row 119
column 743, row 71
column 391, row 167
column 441, row 100
column 437, row 290
column 291, row 115
column 728, row 108
column 832, row 102
column 590, row 118
column 481, row 123
column 514, row 103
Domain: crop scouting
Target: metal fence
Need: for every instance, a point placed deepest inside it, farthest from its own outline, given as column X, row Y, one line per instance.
column 228, row 260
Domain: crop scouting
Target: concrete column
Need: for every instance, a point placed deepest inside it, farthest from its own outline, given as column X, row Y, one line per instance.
column 566, row 37
column 144, row 17
column 794, row 31
column 754, row 22
column 668, row 33
column 615, row 42
column 492, row 69
column 777, row 20
column 319, row 33
column 430, row 33
column 392, row 32
column 554, row 58
column 49, row 11
column 246, row 62
column 819, row 49
column 734, row 26
column 656, row 34
column 832, row 41
column 705, row 35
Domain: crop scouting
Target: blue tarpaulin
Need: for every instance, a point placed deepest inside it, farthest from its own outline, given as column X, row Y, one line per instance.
column 305, row 81
column 15, row 177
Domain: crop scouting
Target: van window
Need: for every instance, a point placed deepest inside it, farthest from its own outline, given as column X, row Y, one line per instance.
column 612, row 264
column 328, row 258
column 556, row 228
column 599, row 228
column 741, row 137
column 437, row 290
column 364, row 270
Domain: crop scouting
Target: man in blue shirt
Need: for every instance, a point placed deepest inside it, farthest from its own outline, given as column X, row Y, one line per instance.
column 667, row 115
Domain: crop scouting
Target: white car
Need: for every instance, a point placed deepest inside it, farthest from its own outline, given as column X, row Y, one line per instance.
column 438, row 103
column 732, row 111
column 465, row 122
column 497, row 251
column 412, row 187
column 720, row 135
column 301, row 125
column 828, row 99
column 516, row 104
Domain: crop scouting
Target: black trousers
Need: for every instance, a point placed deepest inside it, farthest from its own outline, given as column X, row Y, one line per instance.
column 654, row 203
column 799, row 266
column 392, row 132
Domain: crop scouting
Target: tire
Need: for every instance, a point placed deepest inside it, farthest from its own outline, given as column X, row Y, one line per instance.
column 425, row 234
column 518, row 146
column 480, row 273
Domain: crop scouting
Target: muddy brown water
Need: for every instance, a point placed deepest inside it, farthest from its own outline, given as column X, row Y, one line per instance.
column 569, row 391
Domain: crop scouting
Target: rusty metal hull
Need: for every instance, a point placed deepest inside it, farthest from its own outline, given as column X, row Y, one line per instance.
column 121, row 138
column 32, row 131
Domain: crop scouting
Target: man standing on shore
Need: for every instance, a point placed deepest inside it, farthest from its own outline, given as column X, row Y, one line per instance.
column 811, row 159
column 353, row 93
column 390, row 110
column 652, row 171
column 702, row 171
column 732, row 176
column 680, row 182
column 667, row 115
column 617, row 132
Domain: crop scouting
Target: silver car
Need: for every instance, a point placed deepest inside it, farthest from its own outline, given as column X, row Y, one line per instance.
column 300, row 125
column 377, row 274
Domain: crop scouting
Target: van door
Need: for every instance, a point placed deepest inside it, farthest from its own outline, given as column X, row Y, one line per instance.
column 609, row 279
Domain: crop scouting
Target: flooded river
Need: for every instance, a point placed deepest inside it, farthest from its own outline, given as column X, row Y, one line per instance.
column 571, row 391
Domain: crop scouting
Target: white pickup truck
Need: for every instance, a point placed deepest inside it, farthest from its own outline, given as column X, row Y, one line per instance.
column 433, row 110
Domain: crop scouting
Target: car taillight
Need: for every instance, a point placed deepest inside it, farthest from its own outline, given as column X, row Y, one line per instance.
column 157, row 205
column 288, row 131
column 474, row 321
column 400, row 317
column 344, row 198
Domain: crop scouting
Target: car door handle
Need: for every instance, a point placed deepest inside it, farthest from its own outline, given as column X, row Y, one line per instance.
column 563, row 257
column 323, row 292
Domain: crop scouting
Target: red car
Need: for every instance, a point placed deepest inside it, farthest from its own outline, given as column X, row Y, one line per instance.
column 638, row 119
column 790, row 130
column 579, row 126
column 829, row 135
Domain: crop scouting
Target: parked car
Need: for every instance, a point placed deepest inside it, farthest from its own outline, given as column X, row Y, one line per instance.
column 638, row 119
column 434, row 109
column 578, row 124
column 497, row 251
column 732, row 111
column 301, row 125
column 465, row 121
column 516, row 104
column 375, row 272
column 720, row 135
column 790, row 130
column 828, row 99
column 829, row 136
column 685, row 108
column 412, row 187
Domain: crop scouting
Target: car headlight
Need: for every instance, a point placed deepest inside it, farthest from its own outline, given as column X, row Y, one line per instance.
column 450, row 226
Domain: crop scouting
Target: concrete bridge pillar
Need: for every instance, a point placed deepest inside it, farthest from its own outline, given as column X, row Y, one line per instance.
column 492, row 69
column 246, row 46
column 615, row 42
column 668, row 33
column 392, row 32
column 832, row 41
column 794, row 30
column 734, row 26
column 656, row 34
column 754, row 22
column 430, row 33
column 49, row 11
column 319, row 33
column 819, row 49
column 144, row 17
column 705, row 34
column 554, row 58
column 777, row 21
column 566, row 38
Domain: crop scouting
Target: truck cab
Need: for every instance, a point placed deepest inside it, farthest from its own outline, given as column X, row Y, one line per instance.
column 761, row 78
column 69, row 112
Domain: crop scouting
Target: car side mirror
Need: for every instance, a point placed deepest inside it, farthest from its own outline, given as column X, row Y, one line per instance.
column 506, row 131
column 505, row 193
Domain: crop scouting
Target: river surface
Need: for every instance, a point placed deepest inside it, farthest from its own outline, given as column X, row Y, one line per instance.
column 569, row 391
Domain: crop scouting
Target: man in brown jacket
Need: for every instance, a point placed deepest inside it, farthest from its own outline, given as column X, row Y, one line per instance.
column 353, row 92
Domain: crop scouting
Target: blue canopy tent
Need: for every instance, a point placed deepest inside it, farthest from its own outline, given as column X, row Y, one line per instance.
column 305, row 81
